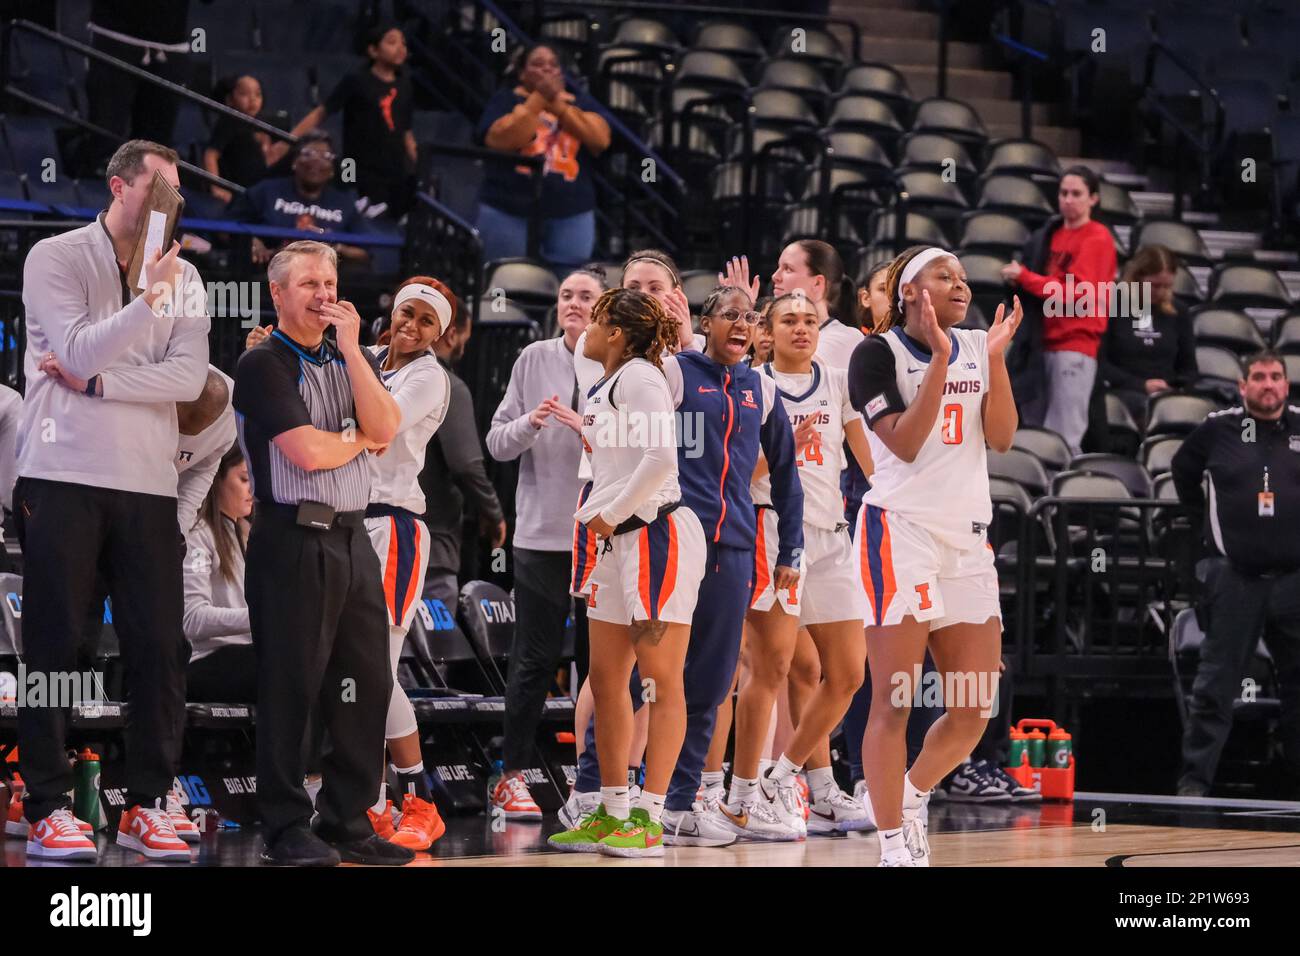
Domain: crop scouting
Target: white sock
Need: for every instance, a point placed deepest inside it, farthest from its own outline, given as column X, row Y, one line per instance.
column 653, row 804
column 615, row 800
column 913, row 799
column 821, row 782
column 712, row 779
column 891, row 841
column 784, row 769
column 742, row 790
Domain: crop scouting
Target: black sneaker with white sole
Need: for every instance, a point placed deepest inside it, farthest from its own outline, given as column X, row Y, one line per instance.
column 970, row 783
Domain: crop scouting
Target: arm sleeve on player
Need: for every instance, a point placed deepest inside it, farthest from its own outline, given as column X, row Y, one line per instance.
column 873, row 381
column 639, row 396
column 777, row 440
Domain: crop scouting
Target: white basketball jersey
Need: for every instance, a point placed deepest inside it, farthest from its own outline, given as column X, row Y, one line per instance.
column 588, row 372
column 824, row 396
column 628, row 417
column 946, row 488
column 422, row 390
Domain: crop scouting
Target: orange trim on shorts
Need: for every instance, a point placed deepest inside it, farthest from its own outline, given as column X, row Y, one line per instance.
column 390, row 573
column 761, row 575
column 670, row 567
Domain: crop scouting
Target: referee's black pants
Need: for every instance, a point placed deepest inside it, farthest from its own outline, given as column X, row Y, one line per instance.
column 542, row 580
column 1241, row 610
column 65, row 530
column 316, row 605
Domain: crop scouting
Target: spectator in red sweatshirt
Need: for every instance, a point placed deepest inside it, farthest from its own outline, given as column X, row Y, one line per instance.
column 1069, row 264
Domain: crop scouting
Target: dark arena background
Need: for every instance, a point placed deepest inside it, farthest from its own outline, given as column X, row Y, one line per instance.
column 737, row 130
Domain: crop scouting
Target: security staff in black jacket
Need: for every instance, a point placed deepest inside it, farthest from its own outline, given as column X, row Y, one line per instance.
column 1252, row 457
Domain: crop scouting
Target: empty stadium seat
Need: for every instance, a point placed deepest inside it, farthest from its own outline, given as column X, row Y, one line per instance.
column 1176, row 413
column 860, row 151
column 1187, row 292
column 930, row 192
column 918, row 229
column 1015, row 196
column 993, row 233
column 782, row 109
column 1227, row 328
column 1045, row 445
column 524, row 281
column 1287, row 337
column 1124, row 431
column 984, row 273
column 936, row 153
column 880, row 80
column 818, row 45
column 1157, row 453
column 1021, row 157
column 1219, row 365
column 1247, row 286
column 1021, row 467
column 734, row 39
column 643, row 33
column 866, row 114
column 950, row 118
column 1162, row 487
column 714, row 71
column 1115, row 207
column 795, row 75
column 1133, row 474
column 1087, row 484
column 697, row 284
column 1178, row 237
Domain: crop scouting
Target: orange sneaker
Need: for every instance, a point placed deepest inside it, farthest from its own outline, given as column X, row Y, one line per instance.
column 420, row 825
column 16, row 826
column 511, row 796
column 383, row 821
column 57, row 837
column 185, row 828
column 150, row 831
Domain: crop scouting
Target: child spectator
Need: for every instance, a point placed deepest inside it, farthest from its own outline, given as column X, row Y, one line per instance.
column 237, row 152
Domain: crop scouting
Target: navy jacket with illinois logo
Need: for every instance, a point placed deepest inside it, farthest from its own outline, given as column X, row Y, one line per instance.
column 726, row 414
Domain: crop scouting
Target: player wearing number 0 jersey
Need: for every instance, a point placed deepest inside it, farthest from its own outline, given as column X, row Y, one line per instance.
column 828, row 602
column 423, row 310
column 932, row 395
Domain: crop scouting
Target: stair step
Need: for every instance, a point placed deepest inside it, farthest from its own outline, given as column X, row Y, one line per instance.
column 998, row 110
column 1220, row 242
column 1276, row 257
column 962, row 83
column 1058, row 138
column 899, row 52
column 896, row 24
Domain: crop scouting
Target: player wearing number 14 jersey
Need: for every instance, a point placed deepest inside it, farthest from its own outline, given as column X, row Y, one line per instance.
column 932, row 396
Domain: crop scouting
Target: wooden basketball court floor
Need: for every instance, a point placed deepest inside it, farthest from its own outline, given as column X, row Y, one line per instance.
column 1117, row 830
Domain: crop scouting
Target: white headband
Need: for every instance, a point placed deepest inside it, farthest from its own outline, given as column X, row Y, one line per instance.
column 915, row 265
column 430, row 296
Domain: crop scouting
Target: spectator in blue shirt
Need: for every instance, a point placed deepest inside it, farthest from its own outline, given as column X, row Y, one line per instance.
column 537, row 116
column 307, row 199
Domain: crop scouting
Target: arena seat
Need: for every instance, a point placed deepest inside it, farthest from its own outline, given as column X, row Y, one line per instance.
column 818, row 45
column 1247, row 286
column 1227, row 328
column 697, row 284
column 711, row 71
column 1021, row 157
column 643, row 33
column 880, row 80
column 524, row 282
column 1014, row 196
column 1178, row 237
column 734, row 39
column 782, row 109
column 860, row 151
column 950, row 118
column 1219, row 369
column 1157, row 453
column 993, row 233
column 1021, row 467
column 1287, row 337
column 1115, row 207
column 936, row 153
column 1187, row 291
column 1087, row 484
column 1045, row 445
column 1162, row 487
column 984, row 274
column 930, row 193
column 796, row 76
column 1123, row 430
column 1177, row 413
column 866, row 114
column 1133, row 474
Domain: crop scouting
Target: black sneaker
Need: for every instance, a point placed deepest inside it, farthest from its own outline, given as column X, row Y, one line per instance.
column 298, row 846
column 373, row 850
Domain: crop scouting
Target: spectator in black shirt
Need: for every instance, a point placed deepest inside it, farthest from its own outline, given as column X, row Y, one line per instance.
column 237, row 152
column 1142, row 355
column 306, row 200
column 453, row 472
column 376, row 105
column 1251, row 454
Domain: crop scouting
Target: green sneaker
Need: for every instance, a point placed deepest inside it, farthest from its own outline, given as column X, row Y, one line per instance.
column 586, row 836
column 638, row 835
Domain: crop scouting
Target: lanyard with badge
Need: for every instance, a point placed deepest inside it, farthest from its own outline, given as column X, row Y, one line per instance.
column 1266, row 498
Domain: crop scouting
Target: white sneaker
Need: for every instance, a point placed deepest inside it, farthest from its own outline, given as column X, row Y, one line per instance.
column 860, row 794
column 578, row 806
column 786, row 800
column 758, row 820
column 185, row 828
column 914, row 835
column 713, row 798
column 836, row 812
column 901, row 858
column 697, row 827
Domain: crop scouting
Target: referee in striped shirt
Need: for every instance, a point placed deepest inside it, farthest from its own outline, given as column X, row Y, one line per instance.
column 307, row 411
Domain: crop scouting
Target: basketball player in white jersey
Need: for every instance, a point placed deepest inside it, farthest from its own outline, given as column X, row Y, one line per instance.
column 932, row 396
column 827, row 598
column 423, row 310
column 642, row 593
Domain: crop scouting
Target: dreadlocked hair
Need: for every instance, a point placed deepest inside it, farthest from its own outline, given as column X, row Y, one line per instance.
column 648, row 329
column 893, row 273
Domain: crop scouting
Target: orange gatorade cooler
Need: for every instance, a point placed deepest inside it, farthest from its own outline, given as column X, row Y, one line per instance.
column 1046, row 759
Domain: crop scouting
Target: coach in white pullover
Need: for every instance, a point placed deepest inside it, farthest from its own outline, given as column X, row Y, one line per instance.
column 105, row 368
